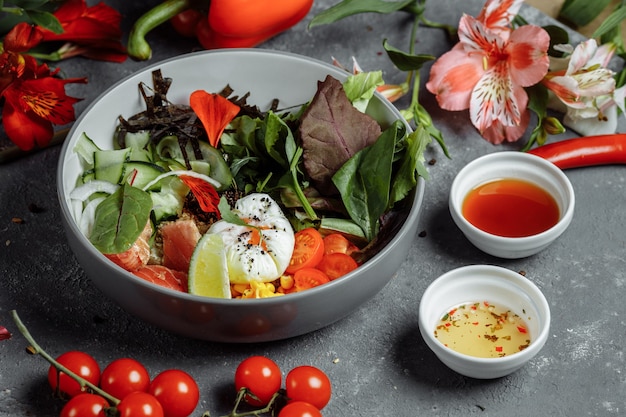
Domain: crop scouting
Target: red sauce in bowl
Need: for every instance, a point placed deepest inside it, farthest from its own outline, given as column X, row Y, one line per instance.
column 511, row 208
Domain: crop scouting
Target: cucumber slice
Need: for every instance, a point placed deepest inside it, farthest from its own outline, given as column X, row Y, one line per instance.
column 110, row 165
column 85, row 148
column 140, row 173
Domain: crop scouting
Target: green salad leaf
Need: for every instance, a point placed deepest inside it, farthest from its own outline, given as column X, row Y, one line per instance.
column 120, row 218
column 364, row 182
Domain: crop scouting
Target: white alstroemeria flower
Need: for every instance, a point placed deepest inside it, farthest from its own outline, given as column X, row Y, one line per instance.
column 587, row 89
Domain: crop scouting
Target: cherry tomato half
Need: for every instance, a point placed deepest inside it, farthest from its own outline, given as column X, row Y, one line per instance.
column 177, row 392
column 308, row 384
column 306, row 278
column 299, row 409
column 85, row 405
column 336, row 242
column 123, row 376
column 337, row 264
column 261, row 376
column 185, row 22
column 82, row 364
column 308, row 250
column 140, row 404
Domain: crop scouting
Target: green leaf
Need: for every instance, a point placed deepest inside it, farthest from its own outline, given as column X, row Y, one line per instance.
column 351, row 7
column 120, row 218
column 45, row 20
column 360, row 88
column 411, row 166
column 613, row 21
column 227, row 214
column 558, row 36
column 405, row 61
column 364, row 181
column 582, row 12
column 275, row 133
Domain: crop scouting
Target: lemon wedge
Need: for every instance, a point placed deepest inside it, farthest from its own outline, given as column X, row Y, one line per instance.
column 208, row 271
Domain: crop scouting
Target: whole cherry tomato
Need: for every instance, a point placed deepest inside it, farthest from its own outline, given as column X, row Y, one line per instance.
column 261, row 376
column 177, row 392
column 140, row 404
column 185, row 22
column 123, row 376
column 308, row 384
column 82, row 364
column 85, row 405
column 299, row 409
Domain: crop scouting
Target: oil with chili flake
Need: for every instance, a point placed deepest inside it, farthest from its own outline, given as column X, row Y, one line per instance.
column 483, row 330
column 511, row 208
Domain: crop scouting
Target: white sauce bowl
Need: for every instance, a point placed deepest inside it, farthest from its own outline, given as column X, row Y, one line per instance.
column 514, row 165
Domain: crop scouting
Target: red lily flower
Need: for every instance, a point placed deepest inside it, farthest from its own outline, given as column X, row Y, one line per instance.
column 93, row 32
column 34, row 99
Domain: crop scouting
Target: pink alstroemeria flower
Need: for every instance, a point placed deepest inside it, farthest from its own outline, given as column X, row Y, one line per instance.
column 587, row 89
column 487, row 70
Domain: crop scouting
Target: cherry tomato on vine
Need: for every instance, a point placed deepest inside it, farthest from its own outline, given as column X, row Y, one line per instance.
column 308, row 250
column 306, row 278
column 261, row 376
column 177, row 392
column 123, row 376
column 185, row 22
column 336, row 242
column 82, row 364
column 299, row 409
column 308, row 384
column 140, row 404
column 85, row 405
column 337, row 264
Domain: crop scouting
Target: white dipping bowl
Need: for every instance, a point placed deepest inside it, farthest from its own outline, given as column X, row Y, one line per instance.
column 514, row 165
column 499, row 286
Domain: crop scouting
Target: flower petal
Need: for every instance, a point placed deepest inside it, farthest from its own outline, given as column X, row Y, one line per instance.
column 452, row 78
column 25, row 129
column 527, row 53
column 214, row 111
column 496, row 98
column 497, row 15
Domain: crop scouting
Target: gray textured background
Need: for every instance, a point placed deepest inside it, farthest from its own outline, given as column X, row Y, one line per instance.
column 376, row 359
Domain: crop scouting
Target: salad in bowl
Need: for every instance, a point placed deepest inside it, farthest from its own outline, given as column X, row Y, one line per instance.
column 216, row 189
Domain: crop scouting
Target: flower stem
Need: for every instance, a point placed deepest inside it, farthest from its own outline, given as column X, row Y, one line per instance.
column 35, row 349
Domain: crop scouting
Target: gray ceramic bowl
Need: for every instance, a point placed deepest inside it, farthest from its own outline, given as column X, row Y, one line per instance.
column 266, row 75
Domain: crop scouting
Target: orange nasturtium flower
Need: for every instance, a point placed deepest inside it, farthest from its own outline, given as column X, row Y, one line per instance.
column 214, row 111
column 205, row 193
column 93, row 32
column 34, row 99
column 489, row 68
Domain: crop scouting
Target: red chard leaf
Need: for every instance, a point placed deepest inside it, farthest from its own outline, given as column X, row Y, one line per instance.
column 332, row 122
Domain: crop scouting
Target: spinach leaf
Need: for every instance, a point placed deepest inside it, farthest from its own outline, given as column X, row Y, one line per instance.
column 364, row 181
column 120, row 218
column 411, row 165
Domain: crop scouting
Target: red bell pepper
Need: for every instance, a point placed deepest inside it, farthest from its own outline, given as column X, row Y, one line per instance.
column 228, row 23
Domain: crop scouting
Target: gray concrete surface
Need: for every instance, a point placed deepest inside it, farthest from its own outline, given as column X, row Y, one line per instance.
column 376, row 359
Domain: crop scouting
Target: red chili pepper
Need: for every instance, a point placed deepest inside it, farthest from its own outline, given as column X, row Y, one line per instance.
column 585, row 151
column 522, row 329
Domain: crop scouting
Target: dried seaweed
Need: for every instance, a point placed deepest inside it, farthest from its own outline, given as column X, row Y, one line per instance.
column 163, row 118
